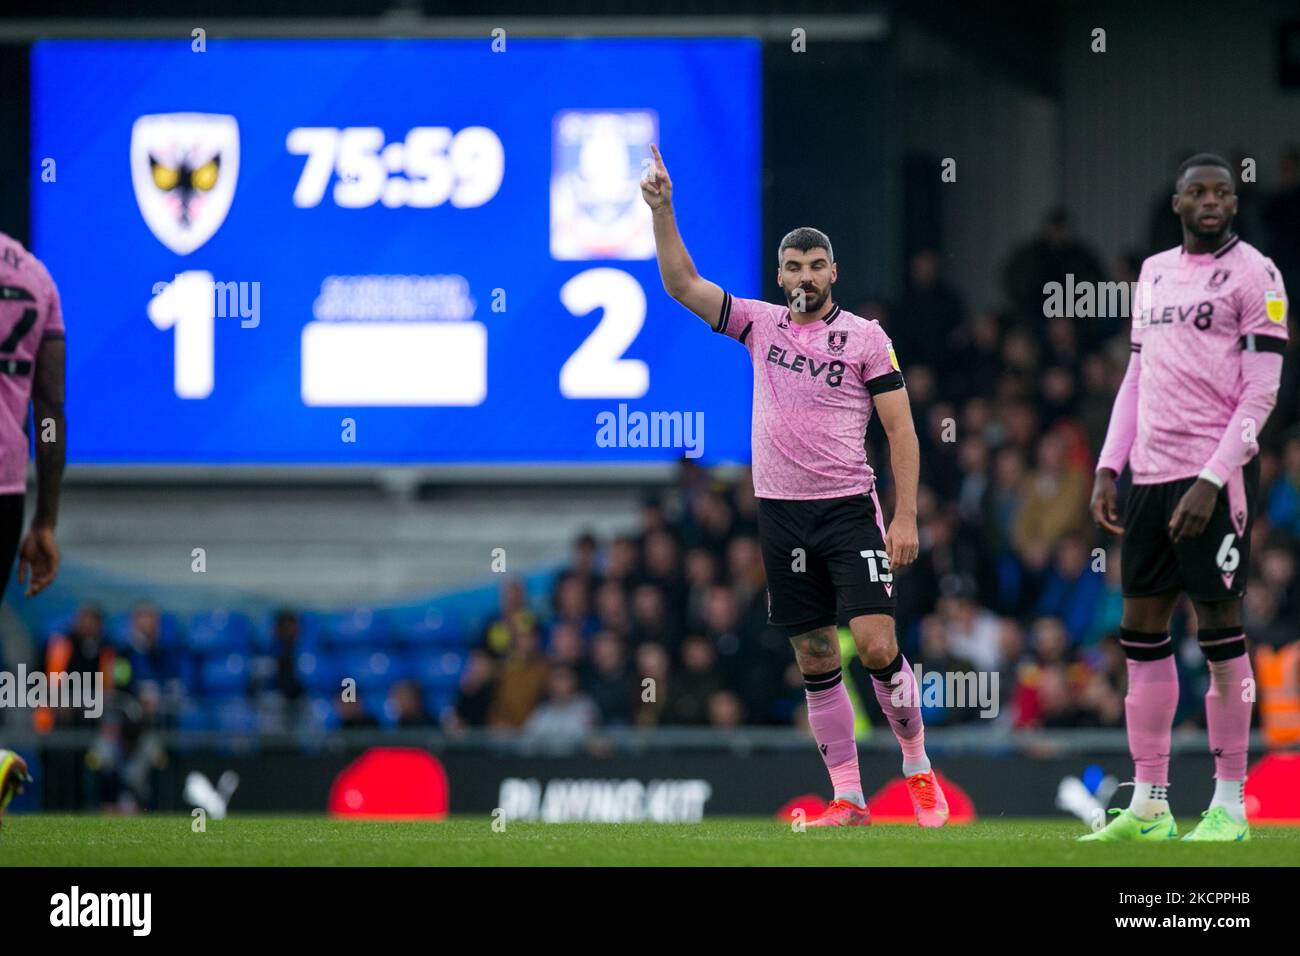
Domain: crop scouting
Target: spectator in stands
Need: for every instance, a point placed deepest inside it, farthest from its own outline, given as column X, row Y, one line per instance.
column 476, row 693
column 405, row 705
column 1110, row 602
column 973, row 632
column 158, row 674
column 1058, row 397
column 652, row 663
column 1277, row 569
column 650, row 620
column 1051, row 256
column 621, row 563
column 980, row 346
column 1002, row 505
column 723, row 628
column 1284, row 495
column 1014, row 659
column 611, row 608
column 702, row 570
column 937, row 657
column 663, row 571
column 726, row 711
column 1061, row 346
column 1102, row 701
column 745, row 504
column 933, row 309
column 1101, row 380
column 1042, row 687
column 521, row 681
column 710, row 522
column 693, row 683
column 513, row 614
column 84, row 650
column 1053, row 504
column 352, row 714
column 746, row 574
column 582, row 563
column 1262, row 621
column 565, row 718
column 276, row 675
column 566, row 647
column 1071, row 588
column 1281, row 218
column 572, row 606
column 608, row 681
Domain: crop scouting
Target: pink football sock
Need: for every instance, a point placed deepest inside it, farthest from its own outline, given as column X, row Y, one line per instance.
column 830, row 714
column 900, row 701
column 1149, row 708
column 1227, row 714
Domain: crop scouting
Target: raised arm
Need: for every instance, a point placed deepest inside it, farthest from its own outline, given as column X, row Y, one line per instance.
column 39, row 556
column 680, row 279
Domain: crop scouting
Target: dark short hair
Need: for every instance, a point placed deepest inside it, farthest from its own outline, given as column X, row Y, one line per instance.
column 803, row 239
column 1201, row 159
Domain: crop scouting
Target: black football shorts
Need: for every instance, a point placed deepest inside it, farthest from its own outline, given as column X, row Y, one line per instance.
column 1211, row 566
column 825, row 560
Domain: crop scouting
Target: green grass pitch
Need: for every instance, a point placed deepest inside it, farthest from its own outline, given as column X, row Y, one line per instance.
column 167, row 840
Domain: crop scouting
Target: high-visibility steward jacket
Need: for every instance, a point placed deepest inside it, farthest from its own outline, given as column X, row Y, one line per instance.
column 1278, row 674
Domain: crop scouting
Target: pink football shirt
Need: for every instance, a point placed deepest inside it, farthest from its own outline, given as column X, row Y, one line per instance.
column 1204, row 312
column 813, row 388
column 29, row 312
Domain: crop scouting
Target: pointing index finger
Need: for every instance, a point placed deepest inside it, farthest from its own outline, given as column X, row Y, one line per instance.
column 659, row 160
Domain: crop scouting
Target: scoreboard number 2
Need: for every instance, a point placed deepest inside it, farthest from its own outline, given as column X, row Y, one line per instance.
column 597, row 369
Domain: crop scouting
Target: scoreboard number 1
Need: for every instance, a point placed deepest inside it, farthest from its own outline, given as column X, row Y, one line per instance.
column 187, row 305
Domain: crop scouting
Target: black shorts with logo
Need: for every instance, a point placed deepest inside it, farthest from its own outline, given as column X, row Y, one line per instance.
column 1212, row 566
column 825, row 560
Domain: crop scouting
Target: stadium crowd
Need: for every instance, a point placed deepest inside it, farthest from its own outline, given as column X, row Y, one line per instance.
column 666, row 625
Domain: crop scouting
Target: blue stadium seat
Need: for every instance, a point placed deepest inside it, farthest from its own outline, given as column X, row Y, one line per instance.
column 319, row 670
column 437, row 669
column 320, row 713
column 434, row 628
column 220, row 632
column 57, row 623
column 236, row 715
column 194, row 717
column 360, row 627
column 373, row 670
column 224, row 675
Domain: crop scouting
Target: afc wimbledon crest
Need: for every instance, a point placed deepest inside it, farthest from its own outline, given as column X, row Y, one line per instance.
column 184, row 167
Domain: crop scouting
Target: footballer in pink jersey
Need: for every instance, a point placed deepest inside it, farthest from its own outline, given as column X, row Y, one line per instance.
column 31, row 372
column 1209, row 332
column 819, row 373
